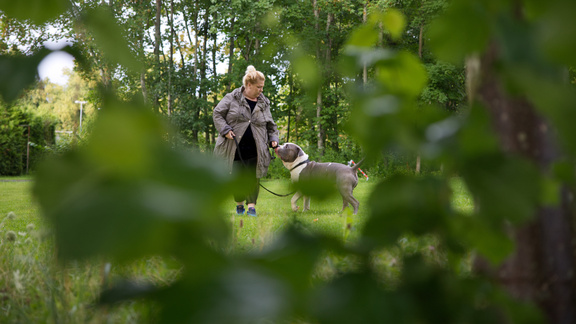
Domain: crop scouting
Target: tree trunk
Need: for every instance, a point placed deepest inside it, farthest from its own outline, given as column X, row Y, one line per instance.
column 182, row 58
column 364, row 20
column 210, row 131
column 542, row 268
column 319, row 122
column 171, row 64
column 196, row 41
column 297, row 121
column 257, row 40
column 231, row 55
column 203, row 74
column 194, row 44
column 143, row 85
column 418, row 158
column 178, row 43
column 142, row 56
column 420, row 41
column 320, row 130
column 157, row 41
column 328, row 58
column 291, row 104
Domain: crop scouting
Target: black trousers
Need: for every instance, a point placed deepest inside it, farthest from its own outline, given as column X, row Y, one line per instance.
column 250, row 189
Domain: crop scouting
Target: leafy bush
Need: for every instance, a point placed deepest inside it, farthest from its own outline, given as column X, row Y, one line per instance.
column 445, row 87
column 14, row 146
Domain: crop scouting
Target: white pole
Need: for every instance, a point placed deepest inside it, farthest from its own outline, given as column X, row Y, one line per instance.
column 81, row 104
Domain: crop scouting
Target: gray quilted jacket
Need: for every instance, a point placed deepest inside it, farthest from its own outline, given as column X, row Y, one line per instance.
column 233, row 113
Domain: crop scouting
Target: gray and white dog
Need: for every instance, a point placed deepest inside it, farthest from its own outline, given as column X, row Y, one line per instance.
column 296, row 160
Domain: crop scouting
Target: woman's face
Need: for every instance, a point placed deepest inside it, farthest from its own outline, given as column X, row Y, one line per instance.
column 254, row 90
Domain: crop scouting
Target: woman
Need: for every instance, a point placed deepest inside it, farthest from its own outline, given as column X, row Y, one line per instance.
column 243, row 117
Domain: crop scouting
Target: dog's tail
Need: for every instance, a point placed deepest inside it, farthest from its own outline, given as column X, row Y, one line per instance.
column 356, row 168
column 357, row 165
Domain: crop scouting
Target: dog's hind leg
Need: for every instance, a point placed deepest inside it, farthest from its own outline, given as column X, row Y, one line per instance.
column 344, row 204
column 348, row 197
column 306, row 203
column 355, row 204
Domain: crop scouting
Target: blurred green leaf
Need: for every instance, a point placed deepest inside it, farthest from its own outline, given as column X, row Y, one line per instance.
column 270, row 285
column 551, row 192
column 293, row 257
column 463, row 29
column 558, row 32
column 126, row 194
column 475, row 137
column 365, row 36
column 490, row 241
column 307, row 70
column 320, row 188
column 518, row 311
column 271, row 20
column 125, row 140
column 22, row 71
column 350, row 299
column 395, row 22
column 393, row 122
column 110, row 37
column 536, row 8
column 564, row 172
column 404, row 74
column 554, row 99
column 505, row 188
column 518, row 46
column 125, row 290
column 237, row 293
column 426, row 294
column 439, row 297
column 402, row 204
column 366, row 127
column 38, row 11
column 356, row 57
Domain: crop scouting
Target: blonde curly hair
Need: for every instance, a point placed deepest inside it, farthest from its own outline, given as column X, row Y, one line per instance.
column 252, row 76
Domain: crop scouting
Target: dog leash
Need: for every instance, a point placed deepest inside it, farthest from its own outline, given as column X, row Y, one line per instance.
column 241, row 159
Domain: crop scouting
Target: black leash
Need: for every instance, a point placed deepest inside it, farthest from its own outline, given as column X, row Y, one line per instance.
column 241, row 159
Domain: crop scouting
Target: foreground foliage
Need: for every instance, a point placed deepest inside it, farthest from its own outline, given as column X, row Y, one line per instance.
column 36, row 289
column 128, row 194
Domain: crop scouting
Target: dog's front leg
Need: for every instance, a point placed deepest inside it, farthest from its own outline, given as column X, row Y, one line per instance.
column 295, row 199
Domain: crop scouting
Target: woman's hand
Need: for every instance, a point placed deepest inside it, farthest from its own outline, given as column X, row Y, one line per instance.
column 230, row 135
column 274, row 144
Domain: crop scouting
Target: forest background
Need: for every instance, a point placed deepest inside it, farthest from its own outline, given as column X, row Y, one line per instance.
column 126, row 192
column 192, row 53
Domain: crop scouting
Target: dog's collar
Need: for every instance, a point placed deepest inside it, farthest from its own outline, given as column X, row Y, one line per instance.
column 299, row 164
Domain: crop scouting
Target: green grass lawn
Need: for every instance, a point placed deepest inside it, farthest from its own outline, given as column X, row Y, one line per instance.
column 35, row 289
column 274, row 213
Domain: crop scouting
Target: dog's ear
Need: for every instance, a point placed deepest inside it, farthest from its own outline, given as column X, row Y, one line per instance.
column 300, row 151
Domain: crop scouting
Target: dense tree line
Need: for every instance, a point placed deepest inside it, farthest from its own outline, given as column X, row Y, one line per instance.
column 189, row 53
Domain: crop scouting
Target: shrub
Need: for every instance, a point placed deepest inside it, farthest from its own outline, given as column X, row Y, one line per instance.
column 17, row 129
